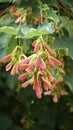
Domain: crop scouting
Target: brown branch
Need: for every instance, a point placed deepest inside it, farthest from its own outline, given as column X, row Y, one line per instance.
column 65, row 9
column 2, row 12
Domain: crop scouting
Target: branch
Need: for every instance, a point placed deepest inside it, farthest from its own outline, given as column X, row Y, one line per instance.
column 65, row 9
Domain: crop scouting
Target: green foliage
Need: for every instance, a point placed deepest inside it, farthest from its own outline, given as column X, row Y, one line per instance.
column 53, row 20
column 68, row 3
column 9, row 30
column 29, row 32
column 3, row 44
column 65, row 42
column 68, row 25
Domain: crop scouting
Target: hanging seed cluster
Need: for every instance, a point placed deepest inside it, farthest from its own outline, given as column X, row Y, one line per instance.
column 43, row 69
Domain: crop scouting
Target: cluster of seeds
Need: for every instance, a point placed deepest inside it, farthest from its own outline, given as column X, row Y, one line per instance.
column 43, row 69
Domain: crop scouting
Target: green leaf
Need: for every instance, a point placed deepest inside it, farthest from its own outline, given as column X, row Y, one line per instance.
column 24, row 29
column 4, row 0
column 9, row 30
column 69, row 81
column 3, row 44
column 69, row 72
column 26, row 46
column 68, row 25
column 41, row 30
column 68, row 3
column 65, row 42
column 46, row 28
column 6, row 22
column 11, row 43
column 7, row 44
column 31, row 33
column 53, row 15
column 50, row 2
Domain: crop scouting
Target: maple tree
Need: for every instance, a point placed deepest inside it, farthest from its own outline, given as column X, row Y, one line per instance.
column 36, row 46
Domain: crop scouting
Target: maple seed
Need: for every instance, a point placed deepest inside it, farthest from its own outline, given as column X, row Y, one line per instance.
column 6, row 58
column 55, row 98
column 33, row 44
column 24, row 85
column 50, row 77
column 22, row 66
column 36, row 48
column 48, row 93
column 38, row 92
column 50, row 62
column 23, row 76
column 47, row 85
column 37, row 87
column 18, row 20
column 40, row 63
column 14, row 70
column 49, row 50
column 8, row 66
column 56, row 62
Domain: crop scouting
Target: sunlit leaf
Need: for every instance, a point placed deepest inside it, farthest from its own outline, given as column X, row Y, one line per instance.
column 41, row 30
column 9, row 30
